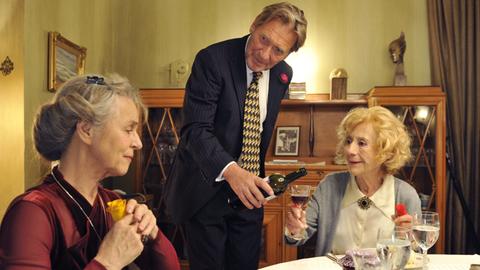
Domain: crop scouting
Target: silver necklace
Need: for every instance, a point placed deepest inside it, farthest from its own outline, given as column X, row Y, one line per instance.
column 80, row 207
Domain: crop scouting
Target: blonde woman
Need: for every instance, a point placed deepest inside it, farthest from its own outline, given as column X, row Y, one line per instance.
column 348, row 208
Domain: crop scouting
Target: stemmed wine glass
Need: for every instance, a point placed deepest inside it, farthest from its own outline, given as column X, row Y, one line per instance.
column 393, row 247
column 426, row 228
column 299, row 194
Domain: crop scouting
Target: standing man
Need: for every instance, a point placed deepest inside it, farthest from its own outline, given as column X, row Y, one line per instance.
column 232, row 100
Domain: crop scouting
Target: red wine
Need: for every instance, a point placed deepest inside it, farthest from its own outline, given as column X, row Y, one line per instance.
column 277, row 182
column 300, row 200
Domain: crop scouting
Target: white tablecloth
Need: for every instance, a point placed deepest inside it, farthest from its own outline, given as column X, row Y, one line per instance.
column 437, row 262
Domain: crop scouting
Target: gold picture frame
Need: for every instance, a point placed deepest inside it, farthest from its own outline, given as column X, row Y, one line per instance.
column 65, row 60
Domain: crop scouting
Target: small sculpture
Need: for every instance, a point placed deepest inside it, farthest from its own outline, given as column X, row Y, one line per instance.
column 397, row 49
column 338, row 84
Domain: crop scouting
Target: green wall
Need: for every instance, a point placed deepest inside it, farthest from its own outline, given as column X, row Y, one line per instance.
column 11, row 102
column 141, row 38
column 87, row 23
column 350, row 34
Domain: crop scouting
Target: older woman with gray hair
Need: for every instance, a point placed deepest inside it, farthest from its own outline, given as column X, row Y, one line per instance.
column 348, row 208
column 90, row 127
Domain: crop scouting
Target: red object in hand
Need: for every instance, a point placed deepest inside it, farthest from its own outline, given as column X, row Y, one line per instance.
column 400, row 210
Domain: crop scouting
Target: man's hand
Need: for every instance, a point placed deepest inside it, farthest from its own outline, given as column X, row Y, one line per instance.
column 245, row 185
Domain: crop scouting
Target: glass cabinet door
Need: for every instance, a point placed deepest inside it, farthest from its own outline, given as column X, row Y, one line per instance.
column 160, row 137
column 422, row 110
column 420, row 172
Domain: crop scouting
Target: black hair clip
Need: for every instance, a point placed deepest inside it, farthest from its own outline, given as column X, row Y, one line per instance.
column 95, row 80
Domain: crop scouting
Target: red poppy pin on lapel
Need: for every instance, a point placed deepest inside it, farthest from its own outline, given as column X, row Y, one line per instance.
column 284, row 78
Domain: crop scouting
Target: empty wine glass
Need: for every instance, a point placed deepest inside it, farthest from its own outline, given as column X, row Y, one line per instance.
column 393, row 247
column 426, row 228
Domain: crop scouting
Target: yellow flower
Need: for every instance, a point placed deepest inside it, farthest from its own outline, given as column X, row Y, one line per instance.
column 117, row 208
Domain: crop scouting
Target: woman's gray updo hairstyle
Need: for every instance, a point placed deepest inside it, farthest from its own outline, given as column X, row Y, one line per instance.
column 88, row 98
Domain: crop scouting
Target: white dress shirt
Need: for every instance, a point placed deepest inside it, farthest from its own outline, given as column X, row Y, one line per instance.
column 357, row 227
column 262, row 100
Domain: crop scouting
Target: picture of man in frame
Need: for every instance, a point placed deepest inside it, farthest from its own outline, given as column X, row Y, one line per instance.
column 287, row 141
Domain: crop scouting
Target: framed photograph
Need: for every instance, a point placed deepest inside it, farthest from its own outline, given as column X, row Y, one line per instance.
column 287, row 141
column 65, row 60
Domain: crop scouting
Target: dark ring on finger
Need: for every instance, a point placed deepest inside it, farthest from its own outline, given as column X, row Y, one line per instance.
column 146, row 239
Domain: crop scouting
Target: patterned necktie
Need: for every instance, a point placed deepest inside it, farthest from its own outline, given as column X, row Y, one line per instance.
column 250, row 156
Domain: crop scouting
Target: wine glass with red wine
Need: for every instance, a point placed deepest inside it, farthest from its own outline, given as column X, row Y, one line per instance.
column 299, row 195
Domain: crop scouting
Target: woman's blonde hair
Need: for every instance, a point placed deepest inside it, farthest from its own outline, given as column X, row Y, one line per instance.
column 393, row 142
column 82, row 98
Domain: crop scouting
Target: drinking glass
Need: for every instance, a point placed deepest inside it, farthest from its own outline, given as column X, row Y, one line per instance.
column 366, row 259
column 426, row 228
column 299, row 194
column 393, row 247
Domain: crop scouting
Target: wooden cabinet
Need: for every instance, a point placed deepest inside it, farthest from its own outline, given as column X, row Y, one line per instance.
column 317, row 117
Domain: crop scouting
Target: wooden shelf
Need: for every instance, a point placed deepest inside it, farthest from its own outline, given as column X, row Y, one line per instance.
column 324, row 99
column 337, row 102
column 163, row 97
column 405, row 91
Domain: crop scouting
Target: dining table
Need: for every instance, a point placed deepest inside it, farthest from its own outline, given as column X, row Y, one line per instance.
column 436, row 262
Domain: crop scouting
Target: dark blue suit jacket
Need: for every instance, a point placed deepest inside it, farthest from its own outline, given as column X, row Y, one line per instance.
column 211, row 135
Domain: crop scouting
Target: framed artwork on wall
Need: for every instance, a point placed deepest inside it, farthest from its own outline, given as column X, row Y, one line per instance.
column 65, row 60
column 287, row 141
